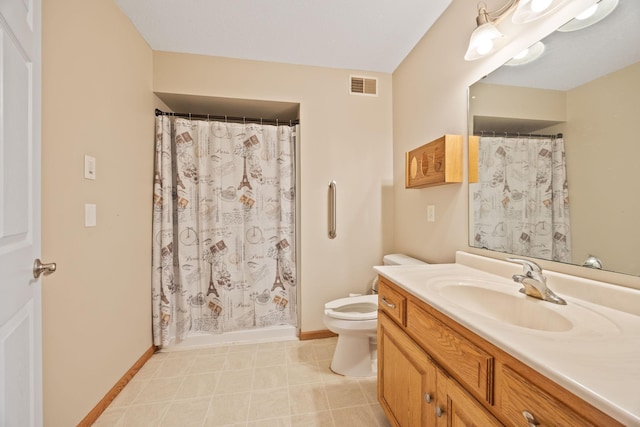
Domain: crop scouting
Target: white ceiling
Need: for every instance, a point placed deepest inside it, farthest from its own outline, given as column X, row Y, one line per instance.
column 369, row 35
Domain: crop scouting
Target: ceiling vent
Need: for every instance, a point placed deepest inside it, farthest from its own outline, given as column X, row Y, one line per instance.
column 364, row 86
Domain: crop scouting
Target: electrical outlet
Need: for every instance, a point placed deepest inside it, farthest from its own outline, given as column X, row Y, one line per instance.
column 89, row 215
column 431, row 213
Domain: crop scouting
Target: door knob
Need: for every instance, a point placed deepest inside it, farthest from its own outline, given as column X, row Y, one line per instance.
column 39, row 268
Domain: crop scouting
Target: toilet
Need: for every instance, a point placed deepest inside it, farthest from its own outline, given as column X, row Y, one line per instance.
column 355, row 320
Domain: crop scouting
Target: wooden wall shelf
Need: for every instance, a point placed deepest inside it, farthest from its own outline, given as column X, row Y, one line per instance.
column 436, row 163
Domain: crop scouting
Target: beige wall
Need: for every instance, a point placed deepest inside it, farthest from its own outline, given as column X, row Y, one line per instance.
column 603, row 184
column 429, row 100
column 516, row 102
column 346, row 138
column 96, row 100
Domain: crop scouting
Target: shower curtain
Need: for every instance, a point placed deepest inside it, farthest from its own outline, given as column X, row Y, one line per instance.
column 223, row 228
column 521, row 200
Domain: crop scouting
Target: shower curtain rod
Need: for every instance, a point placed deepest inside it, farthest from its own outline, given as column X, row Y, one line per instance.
column 517, row 134
column 230, row 119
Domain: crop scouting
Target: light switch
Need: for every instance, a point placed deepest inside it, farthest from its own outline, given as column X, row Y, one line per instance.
column 89, row 215
column 431, row 213
column 89, row 167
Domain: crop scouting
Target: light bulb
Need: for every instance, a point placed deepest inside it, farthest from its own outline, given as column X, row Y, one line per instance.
column 484, row 39
column 539, row 5
column 485, row 46
column 528, row 55
column 521, row 54
column 588, row 13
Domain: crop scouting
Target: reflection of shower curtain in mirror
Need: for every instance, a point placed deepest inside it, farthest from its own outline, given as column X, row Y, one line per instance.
column 223, row 228
column 521, row 200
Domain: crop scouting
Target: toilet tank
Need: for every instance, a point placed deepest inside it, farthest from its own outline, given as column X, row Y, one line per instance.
column 394, row 259
column 400, row 259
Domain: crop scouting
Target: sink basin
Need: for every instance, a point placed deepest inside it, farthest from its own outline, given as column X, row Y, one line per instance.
column 501, row 302
column 515, row 309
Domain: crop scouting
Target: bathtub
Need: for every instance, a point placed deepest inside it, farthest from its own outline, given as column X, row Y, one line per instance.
column 250, row 336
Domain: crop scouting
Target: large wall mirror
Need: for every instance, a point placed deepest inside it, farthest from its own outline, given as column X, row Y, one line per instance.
column 559, row 147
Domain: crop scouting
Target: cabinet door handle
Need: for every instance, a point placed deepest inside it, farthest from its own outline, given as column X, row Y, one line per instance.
column 427, row 397
column 439, row 411
column 387, row 303
column 530, row 419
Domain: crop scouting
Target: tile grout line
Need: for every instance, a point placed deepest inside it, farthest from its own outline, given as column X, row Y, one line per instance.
column 286, row 373
column 218, row 377
column 251, row 393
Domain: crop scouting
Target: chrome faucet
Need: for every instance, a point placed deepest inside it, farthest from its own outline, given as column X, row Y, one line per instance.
column 593, row 262
column 534, row 282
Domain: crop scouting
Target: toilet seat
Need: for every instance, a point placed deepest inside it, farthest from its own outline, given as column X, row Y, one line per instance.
column 363, row 307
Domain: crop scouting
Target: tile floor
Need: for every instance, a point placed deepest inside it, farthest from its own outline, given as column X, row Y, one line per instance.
column 280, row 384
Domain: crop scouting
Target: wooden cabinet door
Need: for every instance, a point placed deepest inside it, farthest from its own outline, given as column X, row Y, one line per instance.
column 406, row 378
column 524, row 404
column 455, row 407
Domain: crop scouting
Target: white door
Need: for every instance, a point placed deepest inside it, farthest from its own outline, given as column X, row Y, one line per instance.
column 20, row 311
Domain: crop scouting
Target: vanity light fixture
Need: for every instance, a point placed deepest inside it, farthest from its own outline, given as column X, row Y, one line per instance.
column 530, row 10
column 592, row 15
column 528, row 55
column 486, row 38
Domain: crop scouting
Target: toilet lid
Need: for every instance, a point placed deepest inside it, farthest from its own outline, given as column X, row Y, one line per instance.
column 353, row 308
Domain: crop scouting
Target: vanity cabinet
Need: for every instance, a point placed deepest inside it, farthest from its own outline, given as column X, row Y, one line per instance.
column 432, row 371
column 407, row 382
column 415, row 391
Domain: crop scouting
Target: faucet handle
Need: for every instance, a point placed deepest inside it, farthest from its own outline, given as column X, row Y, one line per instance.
column 530, row 268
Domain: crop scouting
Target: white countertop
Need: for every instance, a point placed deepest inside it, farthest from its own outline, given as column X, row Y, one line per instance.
column 598, row 359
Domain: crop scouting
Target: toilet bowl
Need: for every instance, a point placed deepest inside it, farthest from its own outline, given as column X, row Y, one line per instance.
column 355, row 320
